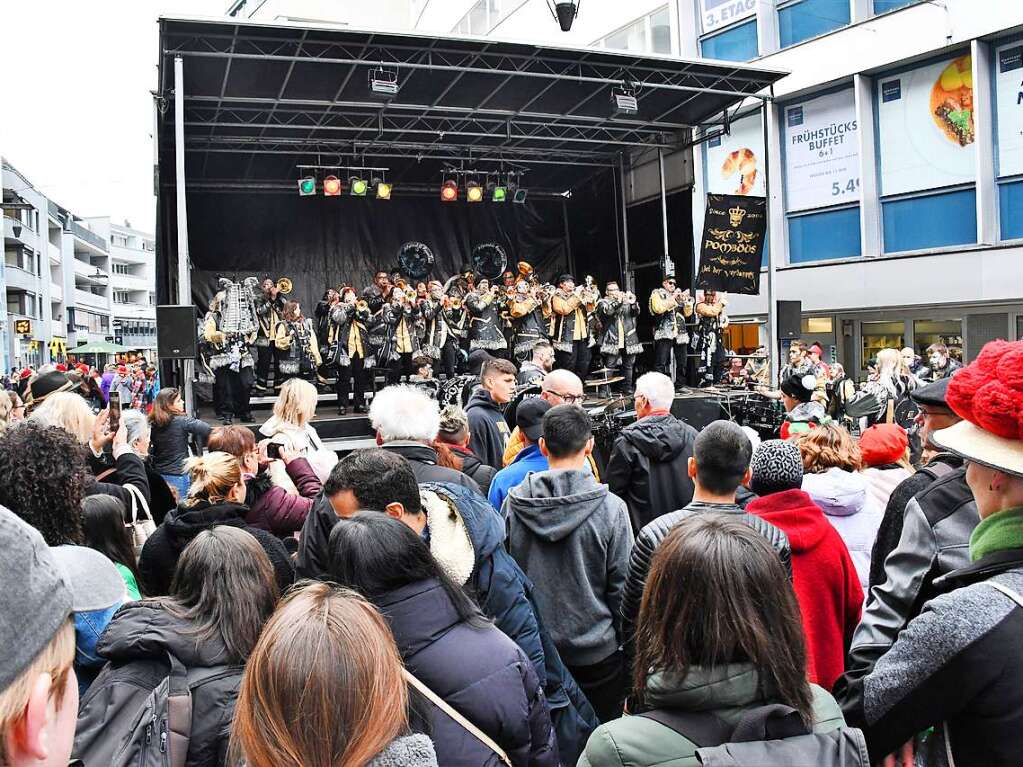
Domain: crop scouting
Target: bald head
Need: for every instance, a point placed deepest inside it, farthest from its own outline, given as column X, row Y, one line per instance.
column 562, row 387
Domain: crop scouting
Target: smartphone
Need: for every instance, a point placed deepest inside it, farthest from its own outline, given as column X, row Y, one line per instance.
column 114, row 422
column 273, row 450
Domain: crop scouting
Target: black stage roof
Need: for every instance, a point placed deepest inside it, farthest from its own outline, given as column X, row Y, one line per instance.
column 261, row 99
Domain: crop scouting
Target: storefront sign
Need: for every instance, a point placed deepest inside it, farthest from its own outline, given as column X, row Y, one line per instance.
column 23, row 327
column 926, row 127
column 736, row 163
column 721, row 13
column 822, row 153
column 733, row 243
column 1009, row 107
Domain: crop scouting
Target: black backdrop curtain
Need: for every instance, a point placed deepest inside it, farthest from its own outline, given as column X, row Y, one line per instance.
column 320, row 241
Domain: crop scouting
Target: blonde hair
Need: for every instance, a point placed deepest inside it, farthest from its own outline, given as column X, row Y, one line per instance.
column 323, row 686
column 296, row 404
column 6, row 409
column 56, row 660
column 213, row 475
column 826, row 447
column 68, row 411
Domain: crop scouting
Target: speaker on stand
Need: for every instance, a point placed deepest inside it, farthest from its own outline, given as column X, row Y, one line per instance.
column 177, row 346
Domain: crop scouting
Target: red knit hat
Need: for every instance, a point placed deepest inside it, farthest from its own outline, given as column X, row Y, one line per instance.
column 61, row 367
column 25, row 373
column 988, row 394
column 883, row 443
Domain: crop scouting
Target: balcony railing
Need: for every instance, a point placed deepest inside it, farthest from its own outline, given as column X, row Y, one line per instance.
column 12, row 224
column 92, row 300
column 88, row 236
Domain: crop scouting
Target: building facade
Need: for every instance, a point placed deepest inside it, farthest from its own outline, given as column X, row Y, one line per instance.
column 58, row 278
column 893, row 162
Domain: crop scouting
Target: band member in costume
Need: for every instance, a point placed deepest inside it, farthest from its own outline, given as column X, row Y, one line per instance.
column 671, row 309
column 269, row 310
column 227, row 355
column 457, row 319
column 347, row 348
column 400, row 338
column 620, row 344
column 529, row 309
column 322, row 316
column 484, row 305
column 295, row 338
column 758, row 369
column 571, row 333
column 439, row 343
column 375, row 295
column 707, row 340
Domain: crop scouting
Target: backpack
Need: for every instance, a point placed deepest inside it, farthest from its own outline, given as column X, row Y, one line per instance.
column 766, row 736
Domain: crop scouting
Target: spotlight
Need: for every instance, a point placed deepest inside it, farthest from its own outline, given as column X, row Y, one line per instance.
column 307, row 186
column 383, row 83
column 623, row 99
column 449, row 191
column 498, row 193
column 384, row 190
column 473, row 192
column 357, row 186
column 565, row 12
column 331, row 186
column 520, row 196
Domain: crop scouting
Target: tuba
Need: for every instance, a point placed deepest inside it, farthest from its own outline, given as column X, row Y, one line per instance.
column 284, row 286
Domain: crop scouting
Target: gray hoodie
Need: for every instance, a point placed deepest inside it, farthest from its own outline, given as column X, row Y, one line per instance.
column 572, row 537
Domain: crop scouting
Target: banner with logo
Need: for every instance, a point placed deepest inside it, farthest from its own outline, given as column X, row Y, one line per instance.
column 736, row 163
column 733, row 243
column 721, row 13
column 1009, row 108
column 926, row 134
column 822, row 152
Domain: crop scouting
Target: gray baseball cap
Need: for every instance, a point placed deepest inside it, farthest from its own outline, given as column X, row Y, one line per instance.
column 35, row 599
column 94, row 580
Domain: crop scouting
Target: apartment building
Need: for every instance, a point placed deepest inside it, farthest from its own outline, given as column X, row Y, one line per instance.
column 58, row 282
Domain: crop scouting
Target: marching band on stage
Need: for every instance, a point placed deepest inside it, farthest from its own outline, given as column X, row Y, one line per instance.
column 396, row 329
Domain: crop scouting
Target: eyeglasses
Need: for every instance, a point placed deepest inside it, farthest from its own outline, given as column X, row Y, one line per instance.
column 569, row 399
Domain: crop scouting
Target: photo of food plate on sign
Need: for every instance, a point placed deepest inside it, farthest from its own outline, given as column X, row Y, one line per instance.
column 952, row 101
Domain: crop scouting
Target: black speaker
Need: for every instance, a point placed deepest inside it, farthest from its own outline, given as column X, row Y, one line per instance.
column 697, row 410
column 176, row 332
column 790, row 320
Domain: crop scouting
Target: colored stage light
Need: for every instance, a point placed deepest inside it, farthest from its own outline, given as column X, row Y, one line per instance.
column 358, row 186
column 473, row 192
column 384, row 190
column 499, row 194
column 307, row 186
column 520, row 196
column 449, row 191
column 331, row 186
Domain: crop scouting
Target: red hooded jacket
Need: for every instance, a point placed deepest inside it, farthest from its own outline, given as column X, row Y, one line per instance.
column 823, row 576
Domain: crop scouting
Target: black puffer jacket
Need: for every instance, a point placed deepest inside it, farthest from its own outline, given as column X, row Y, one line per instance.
column 656, row 531
column 136, row 643
column 648, row 467
column 422, row 459
column 160, row 555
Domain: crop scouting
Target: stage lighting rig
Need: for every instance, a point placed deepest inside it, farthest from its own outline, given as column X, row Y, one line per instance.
column 357, row 186
column 449, row 191
column 473, row 192
column 307, row 186
column 520, row 196
column 623, row 101
column 383, row 83
column 331, row 186
column 498, row 193
column 383, row 189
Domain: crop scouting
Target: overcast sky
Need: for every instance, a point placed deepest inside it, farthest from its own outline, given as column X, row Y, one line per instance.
column 75, row 110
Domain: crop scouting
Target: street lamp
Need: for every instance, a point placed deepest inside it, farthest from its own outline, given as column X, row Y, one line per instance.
column 564, row 11
column 99, row 276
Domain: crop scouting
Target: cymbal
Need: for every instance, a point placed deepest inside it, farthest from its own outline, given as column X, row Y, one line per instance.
column 604, row 382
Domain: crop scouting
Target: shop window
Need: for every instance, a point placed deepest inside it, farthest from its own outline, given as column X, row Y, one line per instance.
column 804, row 19
column 948, row 332
column 930, row 221
column 735, row 44
column 1010, row 208
column 1019, row 328
column 817, row 325
column 824, row 235
column 883, row 6
column 880, row 335
column 1008, row 68
column 743, row 337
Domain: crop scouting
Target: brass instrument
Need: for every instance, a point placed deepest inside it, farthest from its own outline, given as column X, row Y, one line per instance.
column 452, row 302
column 402, row 283
column 410, row 295
column 284, row 285
column 361, row 305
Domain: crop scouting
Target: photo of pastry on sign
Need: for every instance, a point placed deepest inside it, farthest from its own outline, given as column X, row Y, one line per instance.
column 952, row 101
column 741, row 162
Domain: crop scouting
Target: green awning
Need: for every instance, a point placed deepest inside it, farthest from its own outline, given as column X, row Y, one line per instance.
column 99, row 347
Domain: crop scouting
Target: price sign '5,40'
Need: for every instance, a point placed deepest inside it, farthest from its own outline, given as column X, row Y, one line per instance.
column 838, row 189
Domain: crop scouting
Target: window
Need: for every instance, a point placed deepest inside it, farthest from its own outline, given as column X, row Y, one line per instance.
column 804, row 19
column 948, row 332
column 824, row 235
column 93, row 323
column 649, row 34
column 122, row 297
column 735, row 44
column 1010, row 208
column 1008, row 78
column 122, row 268
column 883, row 6
column 818, row 326
column 480, row 18
column 22, row 258
column 927, row 159
column 878, row 336
column 120, row 240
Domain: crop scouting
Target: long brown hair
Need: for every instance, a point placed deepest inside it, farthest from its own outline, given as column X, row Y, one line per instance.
column 163, row 413
column 324, row 686
column 827, row 447
column 717, row 593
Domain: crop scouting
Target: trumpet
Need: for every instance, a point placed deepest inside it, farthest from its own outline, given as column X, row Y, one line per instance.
column 410, row 295
column 452, row 302
column 362, row 305
column 284, row 285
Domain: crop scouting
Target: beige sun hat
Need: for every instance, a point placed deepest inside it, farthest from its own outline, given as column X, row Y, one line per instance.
column 974, row 444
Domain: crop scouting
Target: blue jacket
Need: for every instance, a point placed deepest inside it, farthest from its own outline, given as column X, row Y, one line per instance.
column 479, row 672
column 529, row 459
column 505, row 595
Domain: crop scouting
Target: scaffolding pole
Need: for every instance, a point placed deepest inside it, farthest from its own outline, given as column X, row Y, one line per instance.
column 184, row 275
